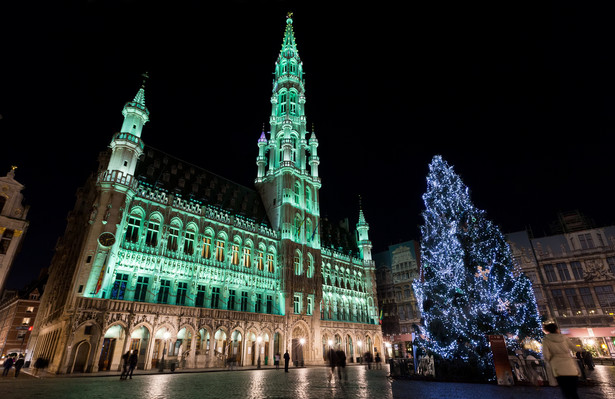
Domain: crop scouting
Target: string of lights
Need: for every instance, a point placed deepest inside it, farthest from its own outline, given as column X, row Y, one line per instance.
column 470, row 287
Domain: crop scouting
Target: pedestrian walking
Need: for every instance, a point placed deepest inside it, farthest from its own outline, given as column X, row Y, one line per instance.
column 38, row 364
column 332, row 362
column 368, row 359
column 588, row 359
column 8, row 363
column 557, row 349
column 125, row 357
column 276, row 361
column 18, row 365
column 132, row 363
column 378, row 361
column 286, row 361
column 341, row 365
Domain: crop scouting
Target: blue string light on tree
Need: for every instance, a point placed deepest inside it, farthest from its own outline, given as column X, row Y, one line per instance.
column 461, row 303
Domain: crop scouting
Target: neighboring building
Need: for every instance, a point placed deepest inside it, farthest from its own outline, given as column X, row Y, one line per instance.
column 574, row 281
column 396, row 269
column 13, row 223
column 18, row 311
column 171, row 260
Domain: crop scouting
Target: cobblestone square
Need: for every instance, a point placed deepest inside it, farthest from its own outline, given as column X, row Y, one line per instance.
column 302, row 383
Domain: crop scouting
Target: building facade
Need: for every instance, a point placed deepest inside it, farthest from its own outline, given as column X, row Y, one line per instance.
column 185, row 266
column 573, row 276
column 13, row 222
column 396, row 270
column 18, row 311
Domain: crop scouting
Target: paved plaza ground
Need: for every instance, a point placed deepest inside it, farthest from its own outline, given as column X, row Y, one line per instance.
column 267, row 383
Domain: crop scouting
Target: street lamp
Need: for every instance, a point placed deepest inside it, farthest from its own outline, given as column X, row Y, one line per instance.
column 258, row 348
column 164, row 350
column 302, row 342
column 359, row 344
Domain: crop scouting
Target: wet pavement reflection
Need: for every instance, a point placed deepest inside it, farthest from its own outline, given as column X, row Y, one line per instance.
column 303, row 383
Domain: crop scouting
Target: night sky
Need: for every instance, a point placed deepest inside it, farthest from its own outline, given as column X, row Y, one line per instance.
column 519, row 97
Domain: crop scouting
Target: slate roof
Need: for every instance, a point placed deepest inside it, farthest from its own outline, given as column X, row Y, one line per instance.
column 168, row 173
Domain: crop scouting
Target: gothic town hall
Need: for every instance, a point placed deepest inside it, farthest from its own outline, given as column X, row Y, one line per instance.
column 185, row 266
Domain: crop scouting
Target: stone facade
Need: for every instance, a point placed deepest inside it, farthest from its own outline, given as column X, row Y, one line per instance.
column 396, row 270
column 573, row 276
column 13, row 222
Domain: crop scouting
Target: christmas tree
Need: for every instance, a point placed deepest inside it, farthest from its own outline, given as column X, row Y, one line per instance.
column 470, row 287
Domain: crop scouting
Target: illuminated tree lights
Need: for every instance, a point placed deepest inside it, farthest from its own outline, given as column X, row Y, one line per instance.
column 470, row 286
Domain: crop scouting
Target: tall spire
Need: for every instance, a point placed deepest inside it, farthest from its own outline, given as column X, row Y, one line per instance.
column 289, row 47
column 287, row 160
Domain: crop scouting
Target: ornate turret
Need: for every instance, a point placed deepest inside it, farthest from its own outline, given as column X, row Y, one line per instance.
column 364, row 244
column 126, row 145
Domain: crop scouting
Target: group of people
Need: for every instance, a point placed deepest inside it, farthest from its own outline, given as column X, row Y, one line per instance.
column 129, row 364
column 11, row 361
column 368, row 358
column 276, row 361
column 337, row 358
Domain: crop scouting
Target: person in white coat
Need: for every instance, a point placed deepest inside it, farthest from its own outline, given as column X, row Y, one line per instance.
column 557, row 351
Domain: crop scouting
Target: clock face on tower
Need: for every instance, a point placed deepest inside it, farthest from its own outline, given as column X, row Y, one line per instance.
column 106, row 239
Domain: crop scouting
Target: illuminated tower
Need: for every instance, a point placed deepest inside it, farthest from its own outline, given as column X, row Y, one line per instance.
column 288, row 178
column 117, row 186
column 365, row 245
column 13, row 222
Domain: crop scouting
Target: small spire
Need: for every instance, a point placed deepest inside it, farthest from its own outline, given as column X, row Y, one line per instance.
column 140, row 97
column 361, row 215
column 262, row 138
column 289, row 47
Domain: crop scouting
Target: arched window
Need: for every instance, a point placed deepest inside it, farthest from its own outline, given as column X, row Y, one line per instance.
column 235, row 252
column 189, row 240
column 260, row 262
column 282, row 100
column 153, row 229
column 297, row 193
column 246, row 257
column 308, row 198
column 310, row 266
column 297, row 263
column 132, row 229
column 206, row 251
column 293, row 103
column 220, row 243
column 173, row 237
column 271, row 260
